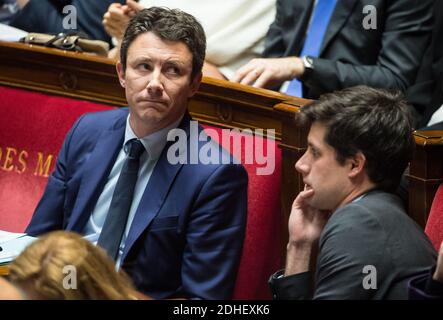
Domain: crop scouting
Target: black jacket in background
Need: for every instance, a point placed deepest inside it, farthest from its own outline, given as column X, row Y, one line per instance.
column 46, row 16
column 427, row 94
column 386, row 57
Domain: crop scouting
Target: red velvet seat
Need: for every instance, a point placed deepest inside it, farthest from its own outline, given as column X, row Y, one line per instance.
column 262, row 247
column 434, row 225
column 32, row 125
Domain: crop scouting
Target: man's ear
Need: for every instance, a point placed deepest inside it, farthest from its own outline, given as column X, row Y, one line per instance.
column 357, row 164
column 121, row 73
column 195, row 84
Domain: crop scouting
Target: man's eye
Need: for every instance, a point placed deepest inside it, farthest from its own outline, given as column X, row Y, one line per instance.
column 173, row 70
column 314, row 152
column 144, row 66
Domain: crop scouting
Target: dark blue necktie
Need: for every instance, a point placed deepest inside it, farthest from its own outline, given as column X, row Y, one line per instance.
column 115, row 223
column 314, row 37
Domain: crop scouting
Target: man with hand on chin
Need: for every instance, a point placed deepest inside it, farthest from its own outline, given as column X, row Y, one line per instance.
column 347, row 224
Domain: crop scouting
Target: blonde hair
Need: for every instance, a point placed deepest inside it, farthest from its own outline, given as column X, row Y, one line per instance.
column 40, row 270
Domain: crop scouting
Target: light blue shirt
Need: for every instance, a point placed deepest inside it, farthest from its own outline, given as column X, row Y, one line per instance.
column 154, row 144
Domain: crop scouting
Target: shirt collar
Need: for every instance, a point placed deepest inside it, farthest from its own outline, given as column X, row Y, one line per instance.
column 154, row 142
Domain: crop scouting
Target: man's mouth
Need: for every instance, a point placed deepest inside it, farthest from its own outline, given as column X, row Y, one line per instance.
column 156, row 104
column 153, row 101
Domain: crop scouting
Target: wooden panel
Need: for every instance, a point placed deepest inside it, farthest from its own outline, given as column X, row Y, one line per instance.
column 71, row 74
column 425, row 173
column 4, row 270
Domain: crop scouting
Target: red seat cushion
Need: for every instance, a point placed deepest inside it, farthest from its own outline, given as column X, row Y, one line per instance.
column 31, row 125
column 263, row 243
column 434, row 225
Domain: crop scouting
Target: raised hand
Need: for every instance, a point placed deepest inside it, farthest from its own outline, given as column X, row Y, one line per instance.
column 305, row 222
column 305, row 226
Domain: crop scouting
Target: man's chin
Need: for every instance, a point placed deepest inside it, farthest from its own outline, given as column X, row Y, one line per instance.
column 147, row 118
column 151, row 115
column 315, row 203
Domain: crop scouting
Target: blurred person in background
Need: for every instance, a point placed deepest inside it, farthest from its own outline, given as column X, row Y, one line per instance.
column 235, row 29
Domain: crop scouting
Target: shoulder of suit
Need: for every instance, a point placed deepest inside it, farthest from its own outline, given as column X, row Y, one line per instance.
column 377, row 208
column 103, row 119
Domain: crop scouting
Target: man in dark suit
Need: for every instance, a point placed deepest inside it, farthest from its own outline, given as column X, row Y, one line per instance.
column 427, row 93
column 184, row 221
column 378, row 43
column 348, row 219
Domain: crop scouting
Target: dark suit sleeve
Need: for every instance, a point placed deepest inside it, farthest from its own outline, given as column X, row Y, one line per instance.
column 407, row 30
column 215, row 235
column 298, row 286
column 49, row 214
column 275, row 46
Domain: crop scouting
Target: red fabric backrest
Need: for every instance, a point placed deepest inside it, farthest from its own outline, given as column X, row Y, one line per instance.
column 262, row 247
column 32, row 126
column 434, row 225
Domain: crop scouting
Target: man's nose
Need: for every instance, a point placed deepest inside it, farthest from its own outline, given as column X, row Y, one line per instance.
column 155, row 84
column 301, row 165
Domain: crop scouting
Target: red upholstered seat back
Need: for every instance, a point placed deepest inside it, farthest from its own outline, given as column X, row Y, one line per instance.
column 434, row 225
column 32, row 129
column 262, row 247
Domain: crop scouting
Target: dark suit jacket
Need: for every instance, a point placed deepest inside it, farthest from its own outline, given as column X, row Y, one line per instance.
column 46, row 16
column 187, row 234
column 427, row 93
column 385, row 57
column 374, row 231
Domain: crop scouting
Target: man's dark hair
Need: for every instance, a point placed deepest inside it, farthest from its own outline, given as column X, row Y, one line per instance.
column 373, row 121
column 171, row 25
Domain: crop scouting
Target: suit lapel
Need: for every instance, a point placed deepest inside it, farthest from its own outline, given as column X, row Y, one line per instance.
column 155, row 192
column 340, row 15
column 97, row 169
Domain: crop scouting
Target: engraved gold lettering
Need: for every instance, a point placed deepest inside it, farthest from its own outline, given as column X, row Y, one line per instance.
column 23, row 155
column 43, row 167
column 10, row 153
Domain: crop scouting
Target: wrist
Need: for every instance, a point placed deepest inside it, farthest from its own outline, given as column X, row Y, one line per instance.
column 297, row 68
column 298, row 258
column 303, row 242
